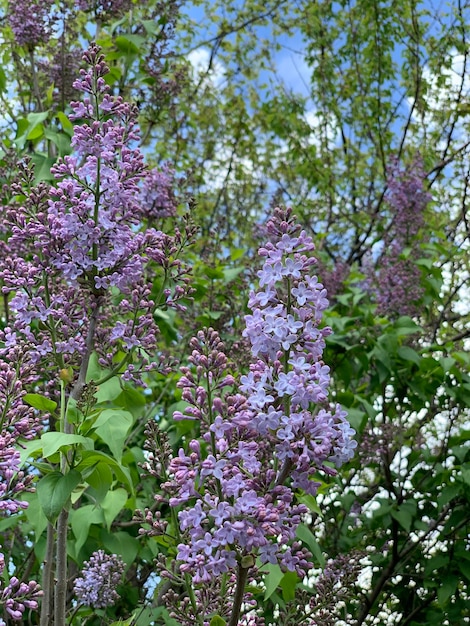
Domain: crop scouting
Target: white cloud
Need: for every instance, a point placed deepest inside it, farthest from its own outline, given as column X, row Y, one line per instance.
column 213, row 73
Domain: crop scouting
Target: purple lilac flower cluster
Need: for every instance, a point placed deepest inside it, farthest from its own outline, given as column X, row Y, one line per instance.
column 236, row 488
column 289, row 376
column 30, row 21
column 75, row 246
column 398, row 279
column 96, row 586
column 157, row 196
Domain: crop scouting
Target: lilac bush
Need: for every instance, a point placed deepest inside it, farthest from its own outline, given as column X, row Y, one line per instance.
column 236, row 488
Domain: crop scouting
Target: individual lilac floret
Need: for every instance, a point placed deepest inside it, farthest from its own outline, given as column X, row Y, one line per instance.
column 96, row 587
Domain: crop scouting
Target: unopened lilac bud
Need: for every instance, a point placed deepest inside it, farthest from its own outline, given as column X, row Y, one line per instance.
column 195, row 446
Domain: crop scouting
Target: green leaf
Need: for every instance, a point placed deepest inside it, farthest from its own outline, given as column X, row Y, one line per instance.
column 406, row 326
column 230, row 273
column 28, row 128
column 40, row 402
column 66, row 123
column 309, row 501
column 272, row 579
column 288, row 585
column 129, row 44
column 357, row 418
column 404, row 514
column 217, row 621
column 52, row 442
column 305, row 534
column 34, row 513
column 81, row 519
column 464, row 567
column 61, row 140
column 42, row 167
column 113, row 426
column 113, row 504
column 109, row 390
column 447, row 587
column 3, row 80
column 29, row 449
column 121, row 543
column 408, row 354
column 54, row 492
column 213, row 272
column 94, row 457
column 99, row 479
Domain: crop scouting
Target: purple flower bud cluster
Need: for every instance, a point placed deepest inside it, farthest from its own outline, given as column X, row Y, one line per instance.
column 334, row 586
column 333, row 278
column 398, row 279
column 30, row 21
column 236, row 487
column 17, row 596
column 17, row 422
column 96, row 586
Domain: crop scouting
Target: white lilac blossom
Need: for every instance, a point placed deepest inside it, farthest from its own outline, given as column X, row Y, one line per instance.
column 96, row 585
column 264, row 437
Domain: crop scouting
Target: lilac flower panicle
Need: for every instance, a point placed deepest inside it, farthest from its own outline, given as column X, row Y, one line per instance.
column 79, row 245
column 266, row 436
column 30, row 21
column 18, row 422
column 96, row 585
column 18, row 596
column 397, row 283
